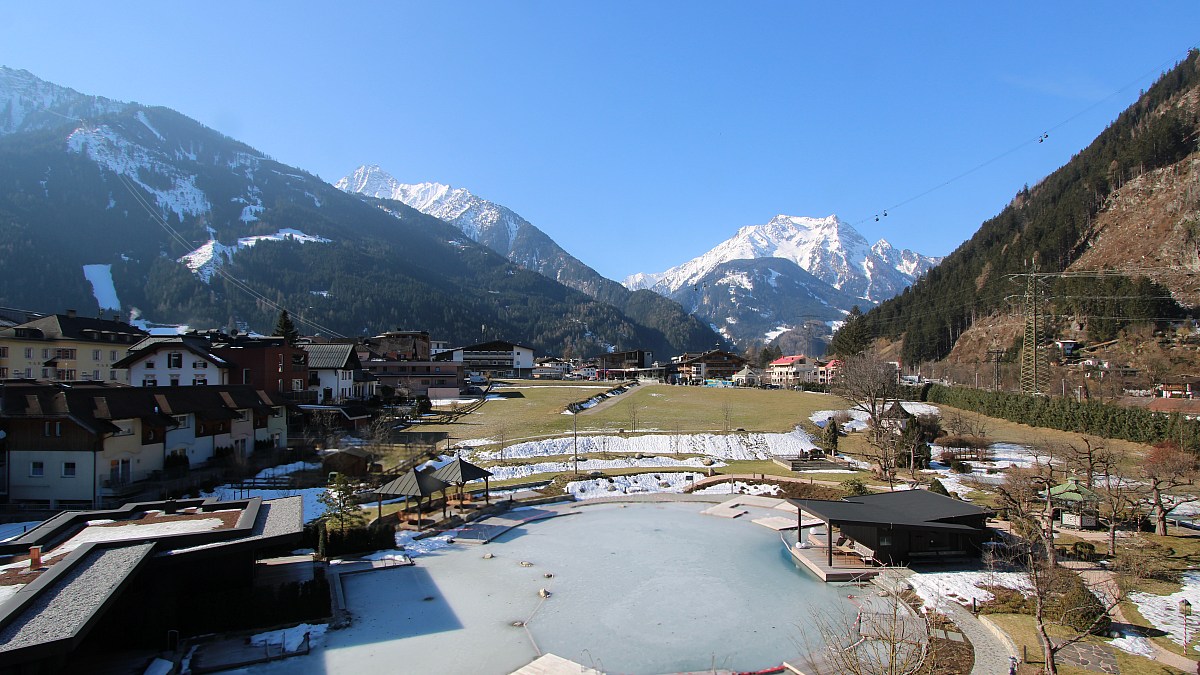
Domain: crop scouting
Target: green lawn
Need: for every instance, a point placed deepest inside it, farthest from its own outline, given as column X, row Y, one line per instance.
column 1023, row 631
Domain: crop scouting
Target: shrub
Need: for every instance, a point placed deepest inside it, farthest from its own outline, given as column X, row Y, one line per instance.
column 854, row 487
column 1084, row 550
column 958, row 466
column 936, row 486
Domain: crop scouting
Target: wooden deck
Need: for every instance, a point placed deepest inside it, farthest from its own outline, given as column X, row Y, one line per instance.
column 846, row 566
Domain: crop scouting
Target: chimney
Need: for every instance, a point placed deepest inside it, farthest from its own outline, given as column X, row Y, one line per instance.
column 70, row 314
column 35, row 557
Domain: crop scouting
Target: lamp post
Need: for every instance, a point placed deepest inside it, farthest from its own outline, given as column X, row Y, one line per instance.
column 1185, row 609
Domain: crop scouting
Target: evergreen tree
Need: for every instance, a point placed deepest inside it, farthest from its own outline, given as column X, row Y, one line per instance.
column 340, row 506
column 286, row 328
column 829, row 436
column 853, row 337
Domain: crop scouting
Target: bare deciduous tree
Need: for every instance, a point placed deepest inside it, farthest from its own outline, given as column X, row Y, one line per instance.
column 1165, row 470
column 871, row 385
column 891, row 640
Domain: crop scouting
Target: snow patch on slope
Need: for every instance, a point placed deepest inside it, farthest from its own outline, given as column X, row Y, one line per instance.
column 110, row 150
column 205, row 260
column 100, row 277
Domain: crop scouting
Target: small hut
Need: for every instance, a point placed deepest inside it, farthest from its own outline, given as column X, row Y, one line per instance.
column 419, row 484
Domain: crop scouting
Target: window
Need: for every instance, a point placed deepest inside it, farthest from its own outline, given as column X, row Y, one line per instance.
column 29, row 352
column 68, row 469
column 149, row 382
column 52, row 429
column 175, row 360
column 200, row 364
column 125, row 428
column 281, row 363
column 150, row 364
column 112, row 355
column 297, row 385
column 95, row 354
column 174, row 380
column 199, row 381
column 95, row 374
column 3, row 372
column 45, row 373
column 37, row 469
column 45, row 353
column 112, row 374
column 181, row 421
column 245, row 376
column 3, row 352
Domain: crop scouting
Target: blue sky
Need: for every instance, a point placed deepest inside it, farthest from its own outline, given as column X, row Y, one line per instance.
column 639, row 135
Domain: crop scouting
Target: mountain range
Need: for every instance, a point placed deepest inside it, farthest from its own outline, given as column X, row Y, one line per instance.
column 108, row 203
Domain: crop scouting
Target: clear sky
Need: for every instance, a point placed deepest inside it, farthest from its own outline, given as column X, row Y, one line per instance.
column 640, row 134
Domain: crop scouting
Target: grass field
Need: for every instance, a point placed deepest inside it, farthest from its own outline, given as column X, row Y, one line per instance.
column 1023, row 631
column 532, row 410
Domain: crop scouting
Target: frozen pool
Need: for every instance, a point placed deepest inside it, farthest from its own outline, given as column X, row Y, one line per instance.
column 640, row 588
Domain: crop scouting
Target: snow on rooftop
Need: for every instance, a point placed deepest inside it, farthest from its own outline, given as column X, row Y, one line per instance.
column 135, row 530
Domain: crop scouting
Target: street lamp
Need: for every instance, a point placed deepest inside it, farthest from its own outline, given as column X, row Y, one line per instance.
column 1185, row 609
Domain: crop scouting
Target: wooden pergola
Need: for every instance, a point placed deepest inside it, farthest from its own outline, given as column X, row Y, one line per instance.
column 419, row 484
column 460, row 472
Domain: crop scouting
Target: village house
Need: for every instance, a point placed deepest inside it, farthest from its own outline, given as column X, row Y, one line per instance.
column 336, row 374
column 176, row 360
column 1178, row 386
column 268, row 363
column 65, row 348
column 88, row 445
column 711, row 365
column 791, row 371
column 748, row 377
column 497, row 358
column 403, row 360
column 551, row 368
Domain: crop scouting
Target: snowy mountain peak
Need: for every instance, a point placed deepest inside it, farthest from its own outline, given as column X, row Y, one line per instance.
column 29, row 103
column 829, row 248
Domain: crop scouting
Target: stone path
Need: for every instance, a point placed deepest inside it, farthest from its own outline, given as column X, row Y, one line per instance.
column 1095, row 658
column 991, row 654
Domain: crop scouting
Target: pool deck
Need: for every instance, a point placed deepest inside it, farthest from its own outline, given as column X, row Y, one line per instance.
column 846, row 566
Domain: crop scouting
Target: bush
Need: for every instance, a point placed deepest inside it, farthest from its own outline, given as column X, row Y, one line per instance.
column 1084, row 550
column 958, row 466
column 936, row 486
column 855, row 487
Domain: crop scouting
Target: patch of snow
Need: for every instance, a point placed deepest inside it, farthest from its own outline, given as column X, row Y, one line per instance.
column 523, row 470
column 100, row 277
column 1138, row 645
column 141, row 116
column 7, row 592
column 136, row 530
column 313, row 508
column 635, row 484
column 720, row 446
column 415, row 547
column 286, row 469
column 740, row 488
column 205, row 260
column 291, row 639
column 937, row 587
column 1162, row 611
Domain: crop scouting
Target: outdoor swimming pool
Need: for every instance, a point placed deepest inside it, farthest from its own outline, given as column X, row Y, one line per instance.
column 637, row 588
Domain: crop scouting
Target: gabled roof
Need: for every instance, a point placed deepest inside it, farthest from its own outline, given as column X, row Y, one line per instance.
column 65, row 326
column 789, row 360
column 154, row 344
column 412, row 484
column 461, row 471
column 905, row 508
column 332, row 357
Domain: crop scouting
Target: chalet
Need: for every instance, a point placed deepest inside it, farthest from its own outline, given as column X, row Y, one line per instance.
column 66, row 347
column 336, row 373
column 1179, row 386
column 711, row 365
column 497, row 358
column 90, row 445
column 890, row 528
column 896, row 419
column 403, row 360
column 176, row 360
column 748, row 377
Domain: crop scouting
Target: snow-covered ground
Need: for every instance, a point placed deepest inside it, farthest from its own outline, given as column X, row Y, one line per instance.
column 740, row 488
column 635, row 484
column 1162, row 611
column 286, row 469
column 859, row 418
column 719, row 446
column 100, row 277
column 313, row 508
column 416, row 547
column 292, row 638
column 938, row 587
column 523, row 470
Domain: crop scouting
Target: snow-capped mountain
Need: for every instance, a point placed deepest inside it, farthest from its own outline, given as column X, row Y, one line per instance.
column 504, row 231
column 485, row 222
column 790, row 272
column 828, row 248
column 28, row 103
